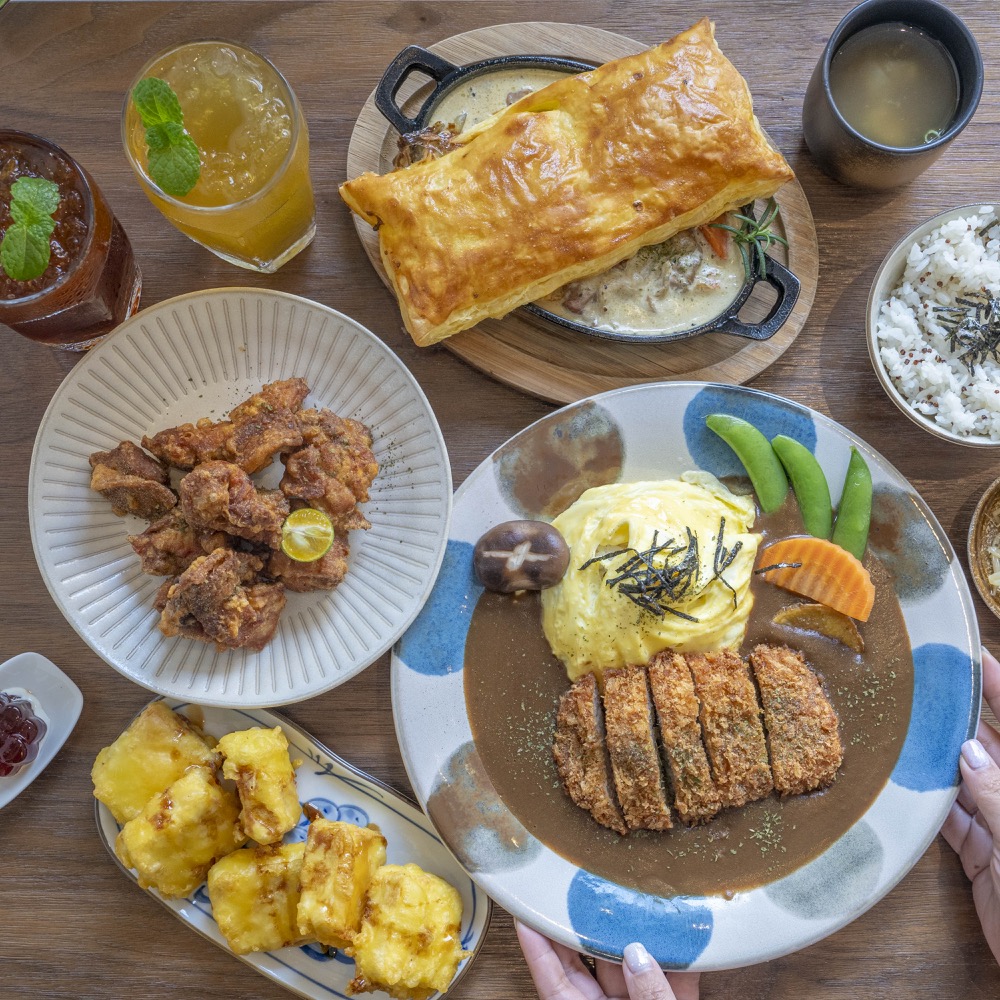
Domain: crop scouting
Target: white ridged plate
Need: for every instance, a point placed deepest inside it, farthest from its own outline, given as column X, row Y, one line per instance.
column 196, row 356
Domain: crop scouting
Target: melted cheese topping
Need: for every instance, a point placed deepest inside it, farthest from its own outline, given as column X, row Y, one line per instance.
column 567, row 182
column 593, row 627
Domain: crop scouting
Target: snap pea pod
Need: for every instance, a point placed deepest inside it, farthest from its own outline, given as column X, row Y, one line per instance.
column 758, row 458
column 854, row 515
column 809, row 482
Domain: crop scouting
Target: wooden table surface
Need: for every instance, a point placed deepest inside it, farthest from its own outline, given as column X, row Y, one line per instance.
column 70, row 925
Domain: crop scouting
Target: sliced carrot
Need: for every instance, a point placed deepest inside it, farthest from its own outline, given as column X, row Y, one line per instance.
column 718, row 239
column 817, row 568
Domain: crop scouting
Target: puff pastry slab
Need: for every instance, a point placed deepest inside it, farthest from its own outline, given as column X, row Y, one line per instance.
column 568, row 181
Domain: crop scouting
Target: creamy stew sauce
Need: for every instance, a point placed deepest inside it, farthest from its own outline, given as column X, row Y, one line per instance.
column 512, row 688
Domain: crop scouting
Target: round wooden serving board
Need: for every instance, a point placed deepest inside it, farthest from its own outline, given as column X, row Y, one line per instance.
column 559, row 365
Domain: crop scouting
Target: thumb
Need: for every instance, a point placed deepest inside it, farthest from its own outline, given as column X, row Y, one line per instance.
column 982, row 779
column 644, row 979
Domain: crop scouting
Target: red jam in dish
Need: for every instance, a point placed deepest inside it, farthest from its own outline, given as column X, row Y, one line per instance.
column 21, row 732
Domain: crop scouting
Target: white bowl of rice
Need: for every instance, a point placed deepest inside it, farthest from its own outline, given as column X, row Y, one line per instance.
column 934, row 325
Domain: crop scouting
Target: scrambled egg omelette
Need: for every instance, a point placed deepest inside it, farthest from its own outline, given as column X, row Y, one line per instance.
column 648, row 571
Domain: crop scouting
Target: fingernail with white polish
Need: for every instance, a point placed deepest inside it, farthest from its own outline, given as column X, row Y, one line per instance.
column 974, row 754
column 637, row 958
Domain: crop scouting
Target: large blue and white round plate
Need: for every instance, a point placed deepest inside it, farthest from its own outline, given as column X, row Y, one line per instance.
column 650, row 432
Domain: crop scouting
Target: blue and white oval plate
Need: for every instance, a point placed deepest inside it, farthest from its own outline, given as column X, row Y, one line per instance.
column 655, row 432
column 340, row 792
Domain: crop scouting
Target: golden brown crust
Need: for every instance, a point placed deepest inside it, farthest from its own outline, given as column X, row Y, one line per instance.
column 731, row 726
column 696, row 798
column 567, row 182
column 802, row 726
column 581, row 757
column 635, row 762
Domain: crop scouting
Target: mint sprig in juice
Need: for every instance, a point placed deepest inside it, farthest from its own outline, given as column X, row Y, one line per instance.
column 220, row 146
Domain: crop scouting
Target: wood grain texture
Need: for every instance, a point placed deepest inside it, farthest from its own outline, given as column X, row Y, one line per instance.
column 523, row 351
column 73, row 927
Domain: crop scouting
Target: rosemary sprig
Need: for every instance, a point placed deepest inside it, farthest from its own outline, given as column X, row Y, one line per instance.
column 973, row 325
column 755, row 236
column 650, row 587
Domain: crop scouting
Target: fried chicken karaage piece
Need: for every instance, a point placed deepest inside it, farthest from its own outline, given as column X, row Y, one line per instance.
column 132, row 481
column 334, row 469
column 168, row 546
column 267, row 423
column 257, row 429
column 220, row 496
column 189, row 445
column 324, row 573
column 215, row 600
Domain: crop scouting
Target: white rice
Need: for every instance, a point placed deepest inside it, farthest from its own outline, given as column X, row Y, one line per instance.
column 956, row 259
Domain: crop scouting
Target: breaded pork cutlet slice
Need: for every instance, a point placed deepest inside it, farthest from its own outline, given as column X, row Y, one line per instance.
column 696, row 798
column 635, row 763
column 581, row 756
column 802, row 726
column 731, row 727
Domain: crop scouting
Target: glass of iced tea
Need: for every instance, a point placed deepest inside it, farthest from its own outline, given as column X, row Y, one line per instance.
column 252, row 203
column 91, row 282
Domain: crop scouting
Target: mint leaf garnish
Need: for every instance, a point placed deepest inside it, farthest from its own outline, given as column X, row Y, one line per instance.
column 156, row 102
column 174, row 159
column 25, row 250
column 34, row 197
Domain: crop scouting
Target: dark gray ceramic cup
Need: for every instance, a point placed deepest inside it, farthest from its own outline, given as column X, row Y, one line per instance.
column 843, row 152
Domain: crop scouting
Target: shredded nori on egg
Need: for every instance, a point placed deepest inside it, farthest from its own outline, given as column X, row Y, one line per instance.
column 649, row 586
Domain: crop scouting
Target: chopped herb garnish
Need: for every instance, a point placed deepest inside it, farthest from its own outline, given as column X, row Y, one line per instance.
column 973, row 325
column 649, row 586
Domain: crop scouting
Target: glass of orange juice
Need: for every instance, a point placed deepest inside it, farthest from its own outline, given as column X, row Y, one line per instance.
column 252, row 203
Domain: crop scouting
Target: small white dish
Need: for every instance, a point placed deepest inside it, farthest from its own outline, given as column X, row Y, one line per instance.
column 60, row 702
column 887, row 278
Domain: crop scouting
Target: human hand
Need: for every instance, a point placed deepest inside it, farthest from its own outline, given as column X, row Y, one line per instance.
column 973, row 825
column 559, row 974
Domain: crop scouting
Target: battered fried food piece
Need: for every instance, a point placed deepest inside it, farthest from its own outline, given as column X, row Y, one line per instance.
column 257, row 429
column 130, row 460
column 257, row 760
column 337, row 871
column 409, row 941
column 189, row 445
column 695, row 796
column 220, row 496
column 635, row 763
column 802, row 726
column 267, row 423
column 581, row 756
column 255, row 895
column 334, row 469
column 324, row 573
column 214, row 601
column 358, row 466
column 156, row 749
column 132, row 481
column 168, row 546
column 180, row 833
column 731, row 727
